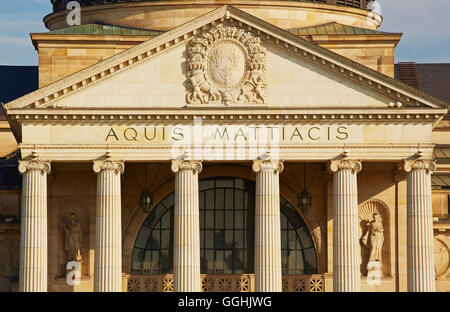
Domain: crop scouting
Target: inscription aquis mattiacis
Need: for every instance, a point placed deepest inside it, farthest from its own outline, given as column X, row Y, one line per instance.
column 245, row 134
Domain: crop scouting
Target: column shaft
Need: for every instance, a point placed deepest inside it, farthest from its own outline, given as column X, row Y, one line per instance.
column 186, row 267
column 267, row 227
column 420, row 254
column 108, row 228
column 346, row 248
column 33, row 227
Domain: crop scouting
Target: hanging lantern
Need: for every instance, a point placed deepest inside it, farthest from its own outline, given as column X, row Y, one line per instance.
column 146, row 198
column 145, row 201
column 304, row 201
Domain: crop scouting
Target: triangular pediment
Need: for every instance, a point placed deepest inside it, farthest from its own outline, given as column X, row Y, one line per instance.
column 293, row 73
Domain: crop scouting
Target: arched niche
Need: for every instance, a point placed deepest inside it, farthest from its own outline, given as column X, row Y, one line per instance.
column 366, row 213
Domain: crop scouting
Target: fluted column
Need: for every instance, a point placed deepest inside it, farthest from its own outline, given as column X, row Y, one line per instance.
column 108, row 227
column 186, row 264
column 267, row 226
column 33, row 227
column 420, row 255
column 346, row 248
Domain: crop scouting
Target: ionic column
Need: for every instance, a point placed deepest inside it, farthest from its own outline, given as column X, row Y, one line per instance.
column 108, row 227
column 420, row 255
column 346, row 249
column 186, row 264
column 33, row 226
column 267, row 226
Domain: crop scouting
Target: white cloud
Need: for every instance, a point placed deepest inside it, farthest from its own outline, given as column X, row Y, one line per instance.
column 18, row 41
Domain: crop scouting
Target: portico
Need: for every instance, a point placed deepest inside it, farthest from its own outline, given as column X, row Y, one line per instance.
column 104, row 124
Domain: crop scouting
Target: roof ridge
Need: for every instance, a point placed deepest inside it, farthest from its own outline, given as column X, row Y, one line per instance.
column 345, row 25
column 71, row 28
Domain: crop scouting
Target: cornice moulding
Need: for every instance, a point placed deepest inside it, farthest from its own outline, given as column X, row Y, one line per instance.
column 303, row 49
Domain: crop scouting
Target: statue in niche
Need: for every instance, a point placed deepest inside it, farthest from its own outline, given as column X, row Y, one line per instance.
column 373, row 239
column 74, row 237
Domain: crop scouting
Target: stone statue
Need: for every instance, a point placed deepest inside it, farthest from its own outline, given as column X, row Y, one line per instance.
column 373, row 239
column 74, row 237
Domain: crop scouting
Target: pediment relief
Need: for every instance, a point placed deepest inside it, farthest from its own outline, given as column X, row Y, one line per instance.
column 226, row 64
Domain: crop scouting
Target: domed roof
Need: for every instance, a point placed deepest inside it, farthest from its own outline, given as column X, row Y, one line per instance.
column 60, row 5
column 164, row 15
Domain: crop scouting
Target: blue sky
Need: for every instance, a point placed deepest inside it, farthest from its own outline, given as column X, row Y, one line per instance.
column 425, row 25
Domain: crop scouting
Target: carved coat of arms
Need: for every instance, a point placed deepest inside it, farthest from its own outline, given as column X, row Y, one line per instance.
column 226, row 65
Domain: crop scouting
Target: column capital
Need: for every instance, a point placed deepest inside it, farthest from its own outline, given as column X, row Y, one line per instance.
column 268, row 165
column 345, row 164
column 193, row 165
column 419, row 164
column 34, row 164
column 108, row 164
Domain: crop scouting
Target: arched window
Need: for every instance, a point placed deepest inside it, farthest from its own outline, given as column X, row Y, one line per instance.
column 227, row 208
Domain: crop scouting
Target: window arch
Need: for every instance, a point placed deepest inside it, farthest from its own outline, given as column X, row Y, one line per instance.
column 226, row 233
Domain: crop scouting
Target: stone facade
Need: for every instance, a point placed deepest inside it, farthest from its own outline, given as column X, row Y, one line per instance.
column 365, row 140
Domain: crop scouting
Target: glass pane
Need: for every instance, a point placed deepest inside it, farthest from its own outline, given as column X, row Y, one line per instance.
column 219, row 219
column 202, row 239
column 229, row 239
column 305, row 237
column 142, row 238
column 291, row 260
column 310, row 260
column 155, row 260
column 209, row 239
column 239, row 219
column 165, row 221
column 165, row 239
column 209, row 219
column 154, row 243
column 202, row 218
column 205, row 184
column 201, row 201
column 165, row 261
column 169, row 201
column 155, row 216
column 224, row 183
column 209, row 257
column 292, row 239
column 239, row 239
column 136, row 262
column 282, row 202
column 239, row 183
column 229, row 219
column 283, row 222
column 209, row 199
column 238, row 199
column 219, row 261
column 220, row 201
column 228, row 263
column 229, row 199
column 284, row 258
column 219, row 239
